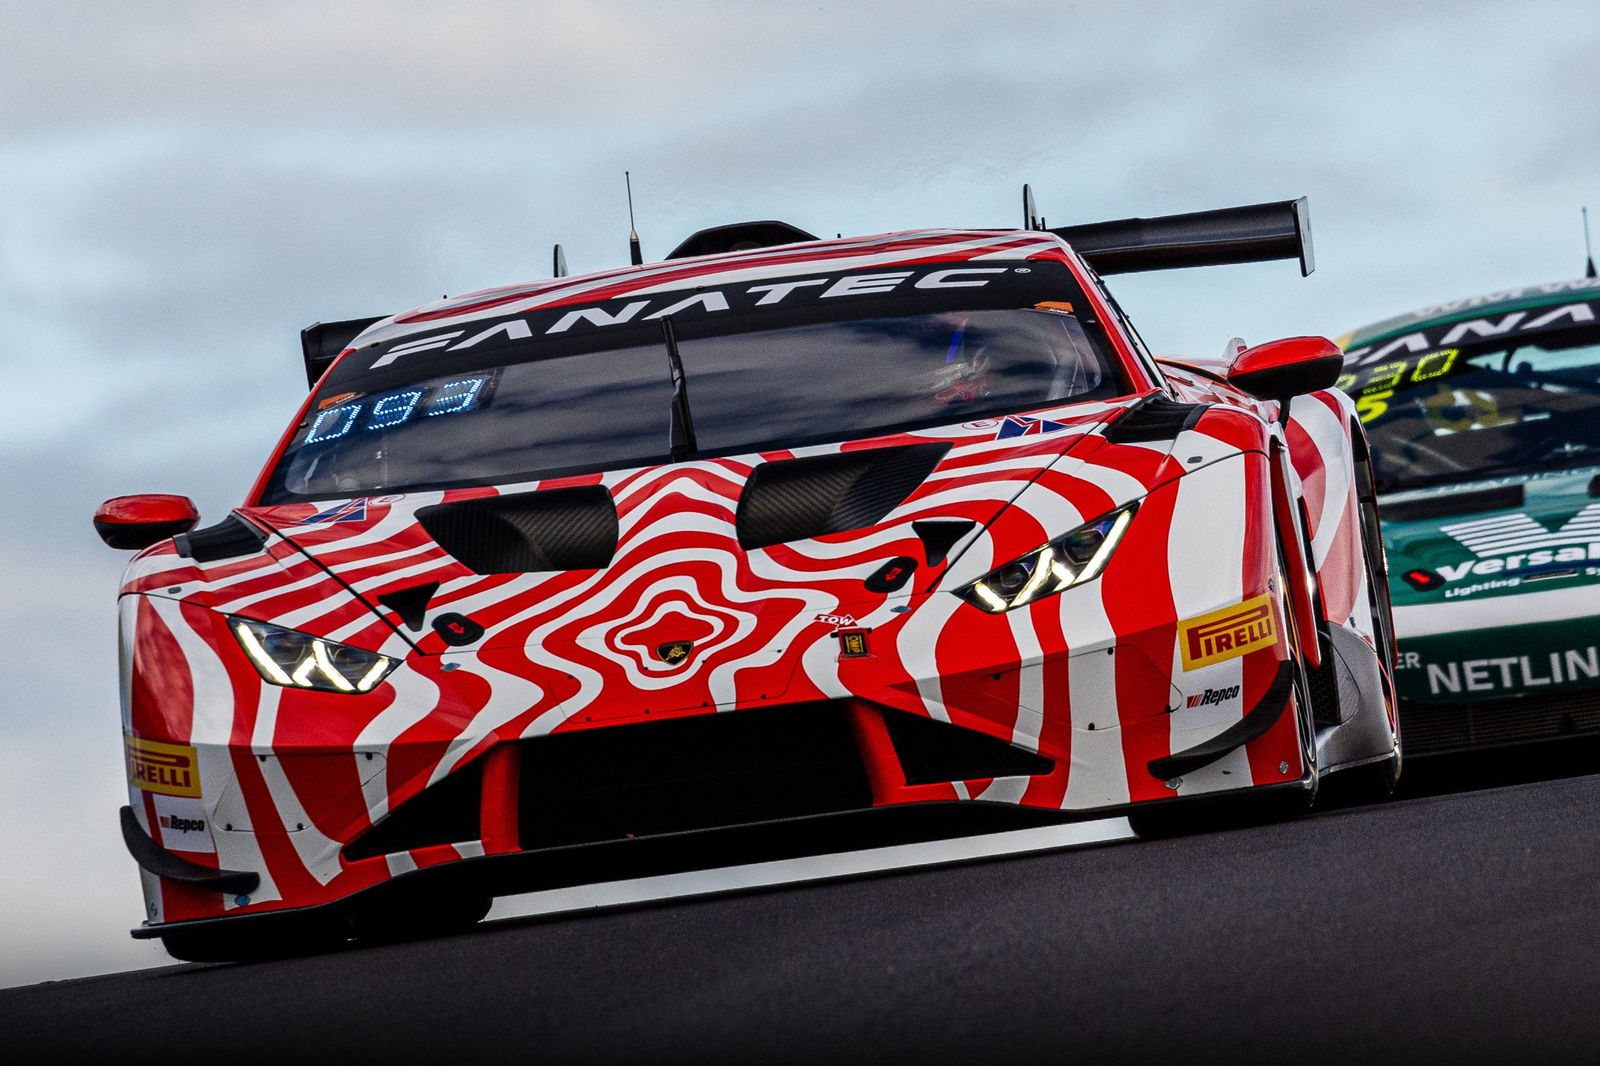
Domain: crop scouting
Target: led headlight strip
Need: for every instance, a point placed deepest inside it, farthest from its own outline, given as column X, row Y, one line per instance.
column 294, row 659
column 1070, row 559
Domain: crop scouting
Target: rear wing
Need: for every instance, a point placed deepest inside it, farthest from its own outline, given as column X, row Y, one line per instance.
column 321, row 343
column 1251, row 234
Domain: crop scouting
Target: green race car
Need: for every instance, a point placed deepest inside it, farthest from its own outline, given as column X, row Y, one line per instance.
column 1484, row 422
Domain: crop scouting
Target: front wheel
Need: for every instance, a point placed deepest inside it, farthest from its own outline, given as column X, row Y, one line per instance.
column 1372, row 782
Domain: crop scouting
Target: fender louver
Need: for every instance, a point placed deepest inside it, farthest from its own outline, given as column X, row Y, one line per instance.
column 796, row 499
column 1154, row 418
column 228, row 539
column 528, row 532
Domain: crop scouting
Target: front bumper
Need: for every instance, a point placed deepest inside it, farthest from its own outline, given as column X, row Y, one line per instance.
column 697, row 792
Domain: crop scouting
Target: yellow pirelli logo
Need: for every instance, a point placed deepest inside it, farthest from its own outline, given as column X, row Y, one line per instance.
column 169, row 769
column 1228, row 633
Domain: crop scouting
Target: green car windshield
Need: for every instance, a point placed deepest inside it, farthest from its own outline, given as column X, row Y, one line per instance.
column 1495, row 407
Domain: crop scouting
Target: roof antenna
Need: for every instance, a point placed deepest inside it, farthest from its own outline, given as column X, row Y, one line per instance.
column 634, row 252
column 1030, row 213
column 558, row 264
column 1588, row 251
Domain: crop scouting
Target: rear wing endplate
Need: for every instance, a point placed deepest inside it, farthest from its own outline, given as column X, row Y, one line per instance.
column 321, row 343
column 1251, row 234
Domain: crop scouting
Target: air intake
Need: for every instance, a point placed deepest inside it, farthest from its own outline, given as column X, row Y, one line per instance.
column 796, row 499
column 931, row 751
column 528, row 532
column 443, row 813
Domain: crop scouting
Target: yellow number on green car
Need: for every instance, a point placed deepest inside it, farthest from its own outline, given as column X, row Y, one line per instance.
column 1386, row 377
column 1371, row 405
column 1435, row 364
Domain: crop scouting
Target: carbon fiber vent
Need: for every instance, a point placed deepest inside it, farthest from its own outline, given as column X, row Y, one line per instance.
column 228, row 539
column 796, row 499
column 528, row 532
column 1152, row 419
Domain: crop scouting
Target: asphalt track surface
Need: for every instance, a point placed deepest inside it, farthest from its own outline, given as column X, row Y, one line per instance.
column 1448, row 925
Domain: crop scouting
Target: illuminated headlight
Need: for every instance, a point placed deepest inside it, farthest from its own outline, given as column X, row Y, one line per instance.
column 300, row 660
column 1068, row 560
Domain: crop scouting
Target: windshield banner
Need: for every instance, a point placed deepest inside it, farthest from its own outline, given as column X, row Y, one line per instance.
column 635, row 317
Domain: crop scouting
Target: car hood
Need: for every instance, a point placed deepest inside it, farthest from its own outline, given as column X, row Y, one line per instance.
column 692, row 554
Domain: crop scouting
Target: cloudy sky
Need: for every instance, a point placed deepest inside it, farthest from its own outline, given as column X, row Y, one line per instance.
column 183, row 186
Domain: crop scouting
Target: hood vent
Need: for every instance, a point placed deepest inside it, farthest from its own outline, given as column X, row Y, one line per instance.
column 528, row 532
column 797, row 499
column 1500, row 498
column 1155, row 418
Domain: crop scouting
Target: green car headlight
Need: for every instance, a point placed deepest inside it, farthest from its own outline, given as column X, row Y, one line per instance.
column 299, row 660
column 1070, row 559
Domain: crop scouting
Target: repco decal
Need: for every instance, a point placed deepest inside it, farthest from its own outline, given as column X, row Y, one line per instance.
column 1212, row 696
column 166, row 769
column 1228, row 633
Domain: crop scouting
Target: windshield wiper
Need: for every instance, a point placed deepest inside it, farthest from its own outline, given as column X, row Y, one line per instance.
column 681, row 442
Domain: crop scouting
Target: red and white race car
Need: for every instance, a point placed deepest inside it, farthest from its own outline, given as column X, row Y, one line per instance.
column 727, row 556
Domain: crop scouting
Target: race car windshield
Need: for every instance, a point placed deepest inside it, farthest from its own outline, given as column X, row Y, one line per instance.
column 750, row 390
column 1469, row 411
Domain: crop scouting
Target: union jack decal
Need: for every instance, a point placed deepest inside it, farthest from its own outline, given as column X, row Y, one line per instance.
column 1022, row 425
column 348, row 511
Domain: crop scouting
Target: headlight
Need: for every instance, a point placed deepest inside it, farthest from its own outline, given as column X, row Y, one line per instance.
column 300, row 660
column 1068, row 560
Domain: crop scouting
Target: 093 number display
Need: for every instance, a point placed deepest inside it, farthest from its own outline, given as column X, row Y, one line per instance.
column 390, row 409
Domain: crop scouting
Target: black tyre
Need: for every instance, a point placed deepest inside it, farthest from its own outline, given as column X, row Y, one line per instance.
column 1372, row 782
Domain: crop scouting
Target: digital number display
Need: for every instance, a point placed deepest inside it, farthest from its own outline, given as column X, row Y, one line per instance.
column 386, row 410
column 1374, row 386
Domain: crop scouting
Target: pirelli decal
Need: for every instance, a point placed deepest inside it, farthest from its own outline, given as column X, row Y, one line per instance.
column 1228, row 633
column 166, row 769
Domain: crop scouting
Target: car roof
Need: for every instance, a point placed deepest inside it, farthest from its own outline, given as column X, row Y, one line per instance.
column 1487, row 304
column 777, row 261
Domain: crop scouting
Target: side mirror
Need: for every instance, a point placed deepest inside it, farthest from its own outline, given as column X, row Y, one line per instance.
column 1280, row 370
column 130, row 523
